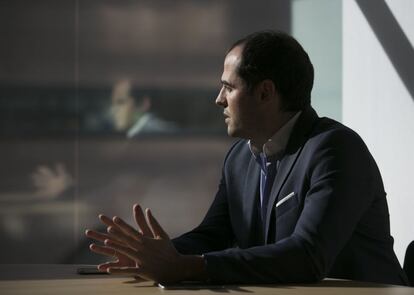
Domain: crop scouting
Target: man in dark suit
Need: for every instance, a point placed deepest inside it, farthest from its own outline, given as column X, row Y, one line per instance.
column 300, row 198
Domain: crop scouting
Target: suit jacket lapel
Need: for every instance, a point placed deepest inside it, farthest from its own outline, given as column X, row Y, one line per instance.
column 250, row 203
column 299, row 135
column 283, row 172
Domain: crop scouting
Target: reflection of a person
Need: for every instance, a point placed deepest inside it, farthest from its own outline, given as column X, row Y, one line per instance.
column 300, row 198
column 131, row 114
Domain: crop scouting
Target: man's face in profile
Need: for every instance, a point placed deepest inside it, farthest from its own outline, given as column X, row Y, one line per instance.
column 240, row 109
column 123, row 106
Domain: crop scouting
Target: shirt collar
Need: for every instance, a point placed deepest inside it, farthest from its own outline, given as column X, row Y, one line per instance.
column 138, row 125
column 275, row 146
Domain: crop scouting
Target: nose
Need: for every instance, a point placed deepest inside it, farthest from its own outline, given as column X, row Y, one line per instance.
column 221, row 100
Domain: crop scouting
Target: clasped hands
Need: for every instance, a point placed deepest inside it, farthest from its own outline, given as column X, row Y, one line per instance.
column 146, row 253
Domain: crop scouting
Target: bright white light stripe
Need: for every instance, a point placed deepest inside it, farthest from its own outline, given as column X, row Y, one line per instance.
column 285, row 199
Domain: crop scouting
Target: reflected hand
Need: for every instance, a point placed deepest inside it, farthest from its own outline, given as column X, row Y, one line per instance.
column 51, row 182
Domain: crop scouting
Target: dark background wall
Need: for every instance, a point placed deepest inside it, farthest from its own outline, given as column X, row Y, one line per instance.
column 169, row 43
column 58, row 62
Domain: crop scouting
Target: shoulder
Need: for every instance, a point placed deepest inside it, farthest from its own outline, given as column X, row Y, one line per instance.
column 240, row 148
column 329, row 132
column 334, row 143
column 238, row 154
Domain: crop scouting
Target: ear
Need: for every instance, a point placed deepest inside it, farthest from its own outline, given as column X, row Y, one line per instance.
column 267, row 90
column 145, row 104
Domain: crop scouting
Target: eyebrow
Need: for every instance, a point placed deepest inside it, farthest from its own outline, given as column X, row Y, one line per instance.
column 226, row 83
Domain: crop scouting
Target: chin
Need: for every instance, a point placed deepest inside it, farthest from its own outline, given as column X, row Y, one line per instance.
column 230, row 131
column 234, row 132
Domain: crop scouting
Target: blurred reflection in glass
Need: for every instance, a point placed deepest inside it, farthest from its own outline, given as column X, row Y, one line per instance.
column 50, row 182
column 131, row 113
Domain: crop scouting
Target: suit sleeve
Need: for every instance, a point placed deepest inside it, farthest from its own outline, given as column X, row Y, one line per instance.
column 339, row 175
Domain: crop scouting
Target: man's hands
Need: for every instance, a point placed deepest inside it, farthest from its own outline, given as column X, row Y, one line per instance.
column 147, row 253
column 51, row 183
column 121, row 260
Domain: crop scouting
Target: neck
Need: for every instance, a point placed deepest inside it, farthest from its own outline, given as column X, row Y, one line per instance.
column 270, row 128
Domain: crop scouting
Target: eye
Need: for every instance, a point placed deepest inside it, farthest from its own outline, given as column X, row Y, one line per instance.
column 227, row 88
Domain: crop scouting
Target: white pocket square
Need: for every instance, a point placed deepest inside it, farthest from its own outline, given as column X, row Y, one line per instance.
column 285, row 199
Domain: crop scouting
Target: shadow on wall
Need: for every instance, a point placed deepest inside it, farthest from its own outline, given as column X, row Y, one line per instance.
column 392, row 38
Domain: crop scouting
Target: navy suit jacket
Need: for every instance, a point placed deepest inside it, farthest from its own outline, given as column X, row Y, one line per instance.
column 336, row 223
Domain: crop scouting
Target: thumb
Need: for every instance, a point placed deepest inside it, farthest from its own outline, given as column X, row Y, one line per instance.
column 156, row 228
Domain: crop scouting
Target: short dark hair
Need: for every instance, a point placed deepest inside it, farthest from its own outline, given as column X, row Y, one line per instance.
column 279, row 57
column 137, row 94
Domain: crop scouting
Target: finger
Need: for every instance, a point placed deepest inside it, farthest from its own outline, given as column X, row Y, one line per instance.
column 96, row 235
column 141, row 221
column 101, row 237
column 106, row 220
column 46, row 171
column 106, row 265
column 123, row 250
column 102, row 250
column 42, row 169
column 156, row 228
column 126, row 228
column 123, row 238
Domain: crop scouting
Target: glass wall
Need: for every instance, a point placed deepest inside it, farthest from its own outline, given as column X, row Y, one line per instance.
column 104, row 104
